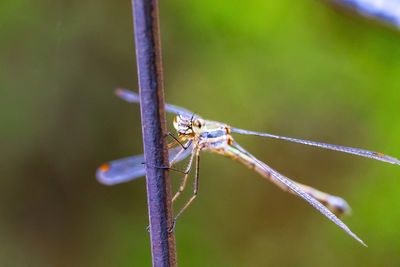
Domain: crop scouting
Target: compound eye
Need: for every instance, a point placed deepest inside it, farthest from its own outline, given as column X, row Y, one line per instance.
column 198, row 123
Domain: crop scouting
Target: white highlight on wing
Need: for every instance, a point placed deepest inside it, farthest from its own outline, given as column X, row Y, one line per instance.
column 356, row 151
column 299, row 192
column 130, row 168
column 384, row 10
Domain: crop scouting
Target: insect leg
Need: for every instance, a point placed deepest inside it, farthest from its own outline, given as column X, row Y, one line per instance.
column 184, row 146
column 195, row 190
column 177, row 156
column 184, row 178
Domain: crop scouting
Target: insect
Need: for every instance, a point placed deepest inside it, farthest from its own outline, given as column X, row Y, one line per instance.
column 387, row 11
column 196, row 134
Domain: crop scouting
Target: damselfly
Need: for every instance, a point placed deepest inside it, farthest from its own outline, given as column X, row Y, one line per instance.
column 196, row 134
column 384, row 10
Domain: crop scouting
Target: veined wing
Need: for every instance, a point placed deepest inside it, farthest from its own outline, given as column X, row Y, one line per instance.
column 130, row 168
column 384, row 10
column 336, row 204
column 299, row 192
column 350, row 150
column 132, row 97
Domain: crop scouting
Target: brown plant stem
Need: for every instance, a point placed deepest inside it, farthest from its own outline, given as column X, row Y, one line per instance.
column 149, row 65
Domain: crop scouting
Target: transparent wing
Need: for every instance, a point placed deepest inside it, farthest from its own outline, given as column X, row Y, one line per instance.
column 121, row 170
column 130, row 168
column 350, row 150
column 383, row 10
column 132, row 97
column 279, row 178
column 336, row 204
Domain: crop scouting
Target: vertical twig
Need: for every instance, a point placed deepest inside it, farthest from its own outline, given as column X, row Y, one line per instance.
column 148, row 56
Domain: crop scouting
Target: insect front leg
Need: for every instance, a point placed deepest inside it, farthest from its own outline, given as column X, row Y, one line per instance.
column 184, row 146
column 176, row 157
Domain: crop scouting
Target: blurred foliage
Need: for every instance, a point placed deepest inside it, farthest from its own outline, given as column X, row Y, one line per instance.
column 300, row 69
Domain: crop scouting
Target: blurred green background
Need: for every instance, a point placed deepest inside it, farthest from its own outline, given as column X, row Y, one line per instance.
column 301, row 69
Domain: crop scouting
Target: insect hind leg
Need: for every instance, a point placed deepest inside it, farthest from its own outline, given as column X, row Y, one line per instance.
column 182, row 185
column 195, row 189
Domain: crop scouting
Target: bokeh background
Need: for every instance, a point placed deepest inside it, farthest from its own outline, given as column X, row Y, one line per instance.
column 301, row 69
